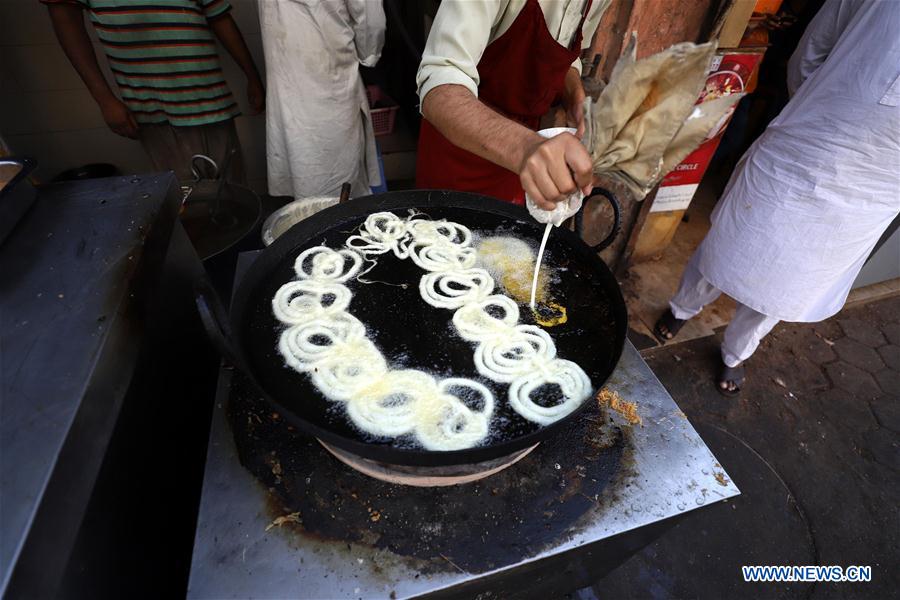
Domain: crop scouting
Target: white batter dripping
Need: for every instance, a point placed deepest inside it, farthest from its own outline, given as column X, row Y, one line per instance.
column 537, row 264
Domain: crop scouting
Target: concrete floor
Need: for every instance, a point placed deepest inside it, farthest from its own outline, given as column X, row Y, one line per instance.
column 813, row 445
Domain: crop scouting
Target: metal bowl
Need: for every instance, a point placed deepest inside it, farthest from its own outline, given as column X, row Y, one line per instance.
column 292, row 213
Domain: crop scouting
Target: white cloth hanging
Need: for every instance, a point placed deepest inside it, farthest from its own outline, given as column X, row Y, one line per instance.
column 811, row 197
column 318, row 127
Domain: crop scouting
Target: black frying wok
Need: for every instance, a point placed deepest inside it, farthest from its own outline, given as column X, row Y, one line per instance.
column 410, row 333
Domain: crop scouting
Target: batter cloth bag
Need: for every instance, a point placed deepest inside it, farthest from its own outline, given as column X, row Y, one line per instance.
column 647, row 119
column 563, row 210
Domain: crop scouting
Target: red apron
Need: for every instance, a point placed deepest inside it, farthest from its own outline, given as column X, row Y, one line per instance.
column 522, row 73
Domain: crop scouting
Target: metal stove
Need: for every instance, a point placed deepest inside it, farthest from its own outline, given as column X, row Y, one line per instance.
column 281, row 516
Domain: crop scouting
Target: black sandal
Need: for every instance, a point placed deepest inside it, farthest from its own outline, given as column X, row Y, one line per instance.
column 731, row 375
column 672, row 325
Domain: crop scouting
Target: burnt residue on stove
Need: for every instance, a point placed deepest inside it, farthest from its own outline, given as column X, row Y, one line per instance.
column 472, row 527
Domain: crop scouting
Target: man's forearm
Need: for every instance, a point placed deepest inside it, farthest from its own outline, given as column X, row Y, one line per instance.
column 68, row 22
column 473, row 126
column 229, row 35
column 572, row 85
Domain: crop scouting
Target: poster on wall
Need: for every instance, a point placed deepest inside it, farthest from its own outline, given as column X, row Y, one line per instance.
column 730, row 73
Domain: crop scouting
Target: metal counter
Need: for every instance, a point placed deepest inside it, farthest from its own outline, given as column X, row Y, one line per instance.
column 75, row 276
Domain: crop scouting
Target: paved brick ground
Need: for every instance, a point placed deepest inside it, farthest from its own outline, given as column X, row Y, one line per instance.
column 813, row 445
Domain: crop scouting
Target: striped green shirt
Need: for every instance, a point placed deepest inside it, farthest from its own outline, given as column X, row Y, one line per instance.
column 163, row 56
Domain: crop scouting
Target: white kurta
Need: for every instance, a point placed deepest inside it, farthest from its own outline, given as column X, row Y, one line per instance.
column 811, row 197
column 318, row 127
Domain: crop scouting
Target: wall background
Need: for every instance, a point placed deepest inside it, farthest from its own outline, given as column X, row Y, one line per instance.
column 47, row 113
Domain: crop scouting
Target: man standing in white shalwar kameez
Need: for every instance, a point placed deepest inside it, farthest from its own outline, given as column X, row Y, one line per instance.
column 811, row 197
column 318, row 128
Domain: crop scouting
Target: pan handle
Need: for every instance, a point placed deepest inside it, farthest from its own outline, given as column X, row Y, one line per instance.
column 214, row 317
column 617, row 217
column 195, row 168
column 26, row 166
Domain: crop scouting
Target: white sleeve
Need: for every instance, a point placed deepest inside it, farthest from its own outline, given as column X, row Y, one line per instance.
column 598, row 9
column 818, row 40
column 459, row 35
column 589, row 27
column 368, row 22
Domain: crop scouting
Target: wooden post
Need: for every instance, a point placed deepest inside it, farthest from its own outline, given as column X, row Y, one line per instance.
column 655, row 231
column 659, row 24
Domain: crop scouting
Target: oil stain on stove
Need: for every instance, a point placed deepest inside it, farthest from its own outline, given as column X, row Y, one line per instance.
column 474, row 527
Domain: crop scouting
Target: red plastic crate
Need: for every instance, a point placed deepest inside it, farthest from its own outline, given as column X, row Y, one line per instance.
column 384, row 116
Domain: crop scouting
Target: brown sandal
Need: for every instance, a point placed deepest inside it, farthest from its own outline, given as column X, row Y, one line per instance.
column 672, row 325
column 728, row 376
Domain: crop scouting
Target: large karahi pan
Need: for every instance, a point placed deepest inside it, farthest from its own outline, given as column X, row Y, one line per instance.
column 412, row 334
